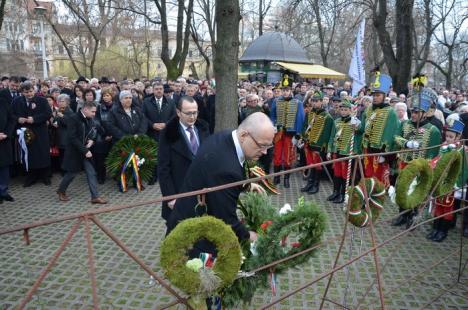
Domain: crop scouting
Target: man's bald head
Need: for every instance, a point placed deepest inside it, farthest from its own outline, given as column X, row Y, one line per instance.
column 256, row 135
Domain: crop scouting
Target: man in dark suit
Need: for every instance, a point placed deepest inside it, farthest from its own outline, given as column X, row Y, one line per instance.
column 7, row 127
column 12, row 91
column 81, row 137
column 178, row 145
column 220, row 160
column 32, row 114
column 158, row 110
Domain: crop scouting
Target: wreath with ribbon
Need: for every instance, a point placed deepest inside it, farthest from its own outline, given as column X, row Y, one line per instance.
column 447, row 175
column 358, row 215
column 188, row 275
column 132, row 159
column 280, row 234
column 418, row 171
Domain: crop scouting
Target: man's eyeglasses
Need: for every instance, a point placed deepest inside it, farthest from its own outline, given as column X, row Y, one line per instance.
column 190, row 113
column 260, row 146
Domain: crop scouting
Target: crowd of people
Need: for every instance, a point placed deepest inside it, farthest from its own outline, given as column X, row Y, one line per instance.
column 64, row 126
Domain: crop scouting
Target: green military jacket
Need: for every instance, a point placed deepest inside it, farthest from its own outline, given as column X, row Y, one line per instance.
column 317, row 129
column 341, row 136
column 378, row 128
column 427, row 135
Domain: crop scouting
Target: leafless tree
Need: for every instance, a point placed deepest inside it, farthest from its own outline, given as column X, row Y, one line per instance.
column 2, row 12
column 451, row 38
column 226, row 62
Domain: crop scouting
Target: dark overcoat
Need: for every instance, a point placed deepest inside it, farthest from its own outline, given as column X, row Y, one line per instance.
column 175, row 157
column 79, row 131
column 216, row 163
column 120, row 124
column 156, row 115
column 39, row 148
column 7, row 126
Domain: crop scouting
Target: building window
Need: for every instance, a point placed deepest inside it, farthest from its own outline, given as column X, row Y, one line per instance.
column 60, row 49
column 190, row 54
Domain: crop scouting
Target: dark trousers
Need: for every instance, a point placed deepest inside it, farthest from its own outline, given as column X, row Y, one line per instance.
column 265, row 160
column 35, row 174
column 90, row 176
column 4, row 179
column 100, row 165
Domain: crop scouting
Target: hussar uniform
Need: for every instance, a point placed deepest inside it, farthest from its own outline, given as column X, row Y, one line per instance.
column 316, row 134
column 379, row 127
column 343, row 143
column 287, row 114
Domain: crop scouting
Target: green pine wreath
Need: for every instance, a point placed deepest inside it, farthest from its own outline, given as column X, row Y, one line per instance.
column 176, row 245
column 447, row 176
column 358, row 215
column 417, row 168
column 305, row 225
column 144, row 146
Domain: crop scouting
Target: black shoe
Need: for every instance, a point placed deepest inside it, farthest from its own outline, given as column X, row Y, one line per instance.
column 151, row 182
column 465, row 232
column 46, row 181
column 339, row 199
column 308, row 186
column 410, row 222
column 7, row 197
column 400, row 220
column 440, row 236
column 333, row 196
column 29, row 182
column 1, row 200
column 286, row 181
column 432, row 234
column 314, row 189
column 101, row 181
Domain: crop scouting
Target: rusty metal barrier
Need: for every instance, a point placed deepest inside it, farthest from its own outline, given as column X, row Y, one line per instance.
column 90, row 216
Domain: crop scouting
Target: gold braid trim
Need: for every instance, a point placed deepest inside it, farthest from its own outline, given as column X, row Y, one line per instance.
column 342, row 138
column 286, row 113
column 411, row 133
column 315, row 128
column 375, row 126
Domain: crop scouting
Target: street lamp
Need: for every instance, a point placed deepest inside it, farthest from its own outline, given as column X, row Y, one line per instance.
column 40, row 11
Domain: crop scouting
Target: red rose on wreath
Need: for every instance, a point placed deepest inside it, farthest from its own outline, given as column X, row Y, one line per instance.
column 295, row 244
column 138, row 150
column 123, row 154
column 265, row 225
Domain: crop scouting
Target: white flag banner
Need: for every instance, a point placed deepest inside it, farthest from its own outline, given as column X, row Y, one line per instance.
column 356, row 69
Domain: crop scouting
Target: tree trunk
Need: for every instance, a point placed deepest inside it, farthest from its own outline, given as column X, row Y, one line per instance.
column 226, row 62
column 260, row 17
column 399, row 65
column 2, row 12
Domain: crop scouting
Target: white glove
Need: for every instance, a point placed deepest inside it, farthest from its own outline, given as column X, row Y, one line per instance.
column 458, row 194
column 300, row 144
column 294, row 141
column 355, row 121
column 381, row 159
column 328, row 156
column 412, row 144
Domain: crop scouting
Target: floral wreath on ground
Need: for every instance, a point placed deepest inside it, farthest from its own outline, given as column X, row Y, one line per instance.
column 132, row 160
column 201, row 277
column 280, row 235
column 413, row 184
column 358, row 215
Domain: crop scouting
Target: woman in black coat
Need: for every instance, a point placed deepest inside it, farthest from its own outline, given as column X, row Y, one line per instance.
column 104, row 138
column 125, row 118
column 61, row 118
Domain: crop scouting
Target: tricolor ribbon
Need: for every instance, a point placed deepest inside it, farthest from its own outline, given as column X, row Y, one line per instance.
column 372, row 201
column 24, row 148
column 131, row 160
column 273, row 283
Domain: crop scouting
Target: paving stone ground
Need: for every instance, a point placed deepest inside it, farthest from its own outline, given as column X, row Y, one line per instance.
column 123, row 285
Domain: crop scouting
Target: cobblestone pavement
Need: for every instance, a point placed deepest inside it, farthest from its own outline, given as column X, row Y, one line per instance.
column 123, row 285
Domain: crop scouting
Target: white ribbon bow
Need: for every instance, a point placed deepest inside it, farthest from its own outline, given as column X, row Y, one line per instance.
column 24, row 149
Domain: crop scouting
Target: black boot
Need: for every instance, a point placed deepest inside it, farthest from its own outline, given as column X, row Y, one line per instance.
column 315, row 186
column 442, row 233
column 277, row 179
column 310, row 183
column 434, row 231
column 401, row 219
column 341, row 196
column 411, row 216
column 336, row 189
column 286, row 181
